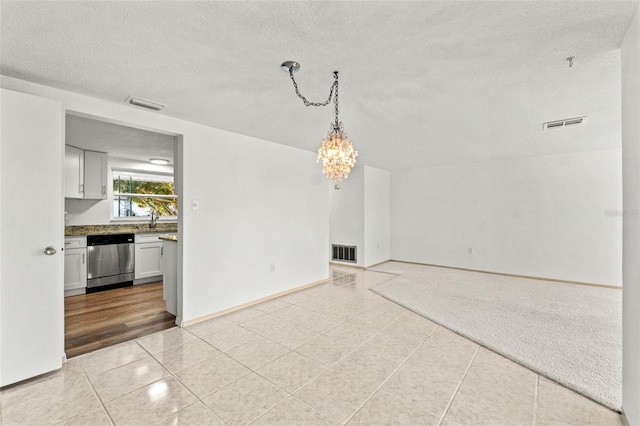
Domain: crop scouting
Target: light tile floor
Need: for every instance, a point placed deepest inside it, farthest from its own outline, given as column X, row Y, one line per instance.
column 329, row 355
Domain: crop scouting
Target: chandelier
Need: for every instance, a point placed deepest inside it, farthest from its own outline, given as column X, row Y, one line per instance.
column 336, row 152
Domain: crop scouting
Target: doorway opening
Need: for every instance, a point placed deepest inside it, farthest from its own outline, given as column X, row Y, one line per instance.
column 119, row 180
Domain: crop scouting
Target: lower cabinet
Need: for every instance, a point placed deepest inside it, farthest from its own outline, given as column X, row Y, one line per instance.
column 75, row 266
column 170, row 278
column 148, row 260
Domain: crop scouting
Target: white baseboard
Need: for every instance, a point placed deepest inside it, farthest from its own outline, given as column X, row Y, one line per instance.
column 623, row 419
column 482, row 271
column 345, row 264
column 378, row 263
column 147, row 280
column 75, row 292
column 247, row 305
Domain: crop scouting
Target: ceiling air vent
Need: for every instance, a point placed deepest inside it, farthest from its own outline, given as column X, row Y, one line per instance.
column 144, row 103
column 563, row 123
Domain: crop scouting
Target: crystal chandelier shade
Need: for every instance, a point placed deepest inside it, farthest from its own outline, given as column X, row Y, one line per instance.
column 336, row 152
column 337, row 155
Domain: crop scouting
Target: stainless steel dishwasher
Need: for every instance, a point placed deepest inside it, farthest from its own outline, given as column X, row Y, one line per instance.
column 110, row 261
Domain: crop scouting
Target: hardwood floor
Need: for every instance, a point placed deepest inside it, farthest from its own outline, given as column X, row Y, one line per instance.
column 98, row 320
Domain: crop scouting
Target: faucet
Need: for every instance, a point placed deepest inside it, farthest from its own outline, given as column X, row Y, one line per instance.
column 154, row 218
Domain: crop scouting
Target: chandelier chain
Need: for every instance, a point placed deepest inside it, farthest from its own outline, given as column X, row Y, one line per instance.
column 335, row 101
column 336, row 151
column 334, row 87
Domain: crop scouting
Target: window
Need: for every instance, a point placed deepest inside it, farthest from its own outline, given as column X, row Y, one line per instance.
column 137, row 194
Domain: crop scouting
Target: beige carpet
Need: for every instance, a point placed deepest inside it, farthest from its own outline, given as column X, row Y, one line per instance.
column 569, row 333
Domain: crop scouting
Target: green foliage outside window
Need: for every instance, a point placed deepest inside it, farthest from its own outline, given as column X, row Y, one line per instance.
column 139, row 197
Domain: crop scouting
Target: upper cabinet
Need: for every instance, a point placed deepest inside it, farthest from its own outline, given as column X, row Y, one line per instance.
column 95, row 175
column 73, row 172
column 85, row 174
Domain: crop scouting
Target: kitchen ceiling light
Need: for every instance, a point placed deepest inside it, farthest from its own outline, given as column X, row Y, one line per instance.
column 336, row 152
column 160, row 161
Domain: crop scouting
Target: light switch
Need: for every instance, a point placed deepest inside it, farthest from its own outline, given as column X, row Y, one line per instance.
column 195, row 204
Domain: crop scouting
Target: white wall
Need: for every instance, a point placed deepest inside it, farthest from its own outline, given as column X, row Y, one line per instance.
column 98, row 212
column 347, row 213
column 377, row 215
column 360, row 213
column 631, row 222
column 553, row 216
column 2, row 238
column 260, row 203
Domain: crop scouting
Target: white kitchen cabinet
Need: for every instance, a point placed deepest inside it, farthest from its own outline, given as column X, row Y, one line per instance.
column 75, row 265
column 86, row 174
column 170, row 279
column 73, row 172
column 95, row 175
column 148, row 251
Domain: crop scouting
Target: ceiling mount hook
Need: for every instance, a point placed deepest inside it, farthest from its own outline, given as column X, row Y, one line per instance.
column 570, row 59
column 290, row 66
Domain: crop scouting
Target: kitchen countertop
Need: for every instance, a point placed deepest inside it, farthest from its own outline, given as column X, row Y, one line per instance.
column 121, row 228
column 169, row 238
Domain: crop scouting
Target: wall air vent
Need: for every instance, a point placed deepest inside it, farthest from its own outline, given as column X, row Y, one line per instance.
column 344, row 253
column 563, row 123
column 144, row 103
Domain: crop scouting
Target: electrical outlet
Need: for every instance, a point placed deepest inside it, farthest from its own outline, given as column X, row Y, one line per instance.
column 272, row 267
column 470, row 250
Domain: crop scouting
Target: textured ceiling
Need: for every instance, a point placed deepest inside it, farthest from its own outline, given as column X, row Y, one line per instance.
column 421, row 83
column 116, row 140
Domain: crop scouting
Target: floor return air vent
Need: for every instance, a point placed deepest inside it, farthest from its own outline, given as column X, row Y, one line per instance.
column 344, row 253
